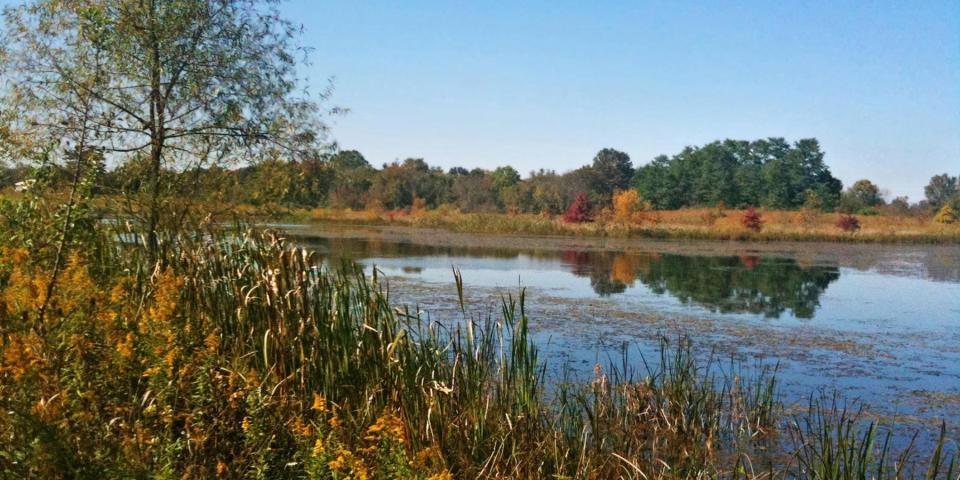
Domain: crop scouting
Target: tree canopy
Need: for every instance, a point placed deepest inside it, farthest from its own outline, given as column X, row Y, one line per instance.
column 737, row 173
column 942, row 189
column 160, row 84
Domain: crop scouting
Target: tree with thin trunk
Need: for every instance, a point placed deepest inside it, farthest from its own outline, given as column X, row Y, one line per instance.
column 169, row 85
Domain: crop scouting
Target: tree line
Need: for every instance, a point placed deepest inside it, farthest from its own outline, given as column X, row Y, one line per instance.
column 769, row 173
column 199, row 102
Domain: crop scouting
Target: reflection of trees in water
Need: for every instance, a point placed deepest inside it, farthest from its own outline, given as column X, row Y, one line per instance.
column 749, row 283
column 945, row 268
column 358, row 248
column 602, row 280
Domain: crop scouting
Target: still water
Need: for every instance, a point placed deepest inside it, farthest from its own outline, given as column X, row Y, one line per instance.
column 880, row 324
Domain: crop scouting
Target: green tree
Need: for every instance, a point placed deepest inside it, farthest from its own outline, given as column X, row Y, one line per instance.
column 504, row 177
column 655, row 182
column 398, row 184
column 352, row 178
column 503, row 181
column 613, row 171
column 941, row 189
column 900, row 205
column 474, row 191
column 178, row 84
column 768, row 172
column 860, row 197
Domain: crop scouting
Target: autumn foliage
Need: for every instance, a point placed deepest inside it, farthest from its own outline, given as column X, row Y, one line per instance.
column 752, row 220
column 848, row 223
column 626, row 204
column 579, row 210
column 946, row 215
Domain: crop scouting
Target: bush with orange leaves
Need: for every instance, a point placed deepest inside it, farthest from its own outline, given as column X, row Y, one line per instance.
column 627, row 204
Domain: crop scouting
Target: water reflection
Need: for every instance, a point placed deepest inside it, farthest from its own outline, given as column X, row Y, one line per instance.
column 727, row 284
column 764, row 285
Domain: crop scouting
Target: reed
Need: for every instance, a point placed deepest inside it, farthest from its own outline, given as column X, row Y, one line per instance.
column 241, row 356
column 833, row 441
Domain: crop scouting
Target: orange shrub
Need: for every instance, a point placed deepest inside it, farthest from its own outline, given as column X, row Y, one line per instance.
column 626, row 203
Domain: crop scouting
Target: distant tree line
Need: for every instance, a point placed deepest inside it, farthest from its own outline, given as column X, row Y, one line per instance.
column 770, row 173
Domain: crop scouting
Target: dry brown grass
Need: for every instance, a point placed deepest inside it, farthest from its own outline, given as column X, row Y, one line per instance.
column 698, row 223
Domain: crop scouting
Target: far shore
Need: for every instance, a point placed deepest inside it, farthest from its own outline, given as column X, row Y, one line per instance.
column 686, row 224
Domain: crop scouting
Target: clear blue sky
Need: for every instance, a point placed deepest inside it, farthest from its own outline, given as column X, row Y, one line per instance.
column 548, row 83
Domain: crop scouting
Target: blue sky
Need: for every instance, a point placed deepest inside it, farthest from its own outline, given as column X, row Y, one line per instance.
column 548, row 83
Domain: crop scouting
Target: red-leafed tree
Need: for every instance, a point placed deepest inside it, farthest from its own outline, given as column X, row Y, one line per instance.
column 752, row 220
column 579, row 210
column 848, row 223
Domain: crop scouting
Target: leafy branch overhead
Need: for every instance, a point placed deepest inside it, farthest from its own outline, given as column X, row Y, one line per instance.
column 166, row 84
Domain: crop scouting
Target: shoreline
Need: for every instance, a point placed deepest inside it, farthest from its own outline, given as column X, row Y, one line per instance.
column 719, row 227
column 882, row 257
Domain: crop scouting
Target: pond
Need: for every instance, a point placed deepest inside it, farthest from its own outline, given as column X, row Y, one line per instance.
column 881, row 324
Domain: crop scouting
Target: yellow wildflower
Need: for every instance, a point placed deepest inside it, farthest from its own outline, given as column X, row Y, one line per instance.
column 171, row 356
column 301, row 428
column 387, row 427
column 119, row 292
column 221, row 468
column 77, row 288
column 360, row 471
column 125, row 346
column 319, row 403
column 20, row 355
column 424, row 457
column 318, row 447
column 341, row 461
column 166, row 295
column 245, row 424
column 444, row 475
column 24, row 292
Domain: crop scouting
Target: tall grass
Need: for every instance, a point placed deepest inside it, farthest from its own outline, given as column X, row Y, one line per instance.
column 693, row 223
column 241, row 356
column 834, row 442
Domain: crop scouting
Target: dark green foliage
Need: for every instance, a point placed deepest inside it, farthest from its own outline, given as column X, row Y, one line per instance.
column 399, row 184
column 941, row 190
column 613, row 171
column 862, row 197
column 769, row 172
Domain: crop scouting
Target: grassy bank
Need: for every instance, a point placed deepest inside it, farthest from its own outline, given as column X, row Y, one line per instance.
column 701, row 224
column 239, row 357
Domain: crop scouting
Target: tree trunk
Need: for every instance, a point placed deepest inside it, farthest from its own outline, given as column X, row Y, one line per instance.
column 157, row 137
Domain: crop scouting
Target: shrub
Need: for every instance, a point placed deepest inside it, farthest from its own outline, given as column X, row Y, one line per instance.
column 711, row 216
column 579, row 210
column 752, row 220
column 946, row 215
column 419, row 205
column 808, row 217
column 848, row 223
column 626, row 203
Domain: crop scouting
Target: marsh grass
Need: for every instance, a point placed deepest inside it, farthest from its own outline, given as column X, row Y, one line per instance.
column 241, row 356
column 833, row 440
column 692, row 223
